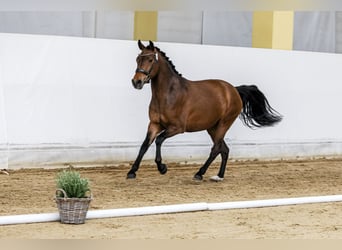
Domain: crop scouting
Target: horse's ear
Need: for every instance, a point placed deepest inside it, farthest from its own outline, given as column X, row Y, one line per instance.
column 140, row 45
column 151, row 45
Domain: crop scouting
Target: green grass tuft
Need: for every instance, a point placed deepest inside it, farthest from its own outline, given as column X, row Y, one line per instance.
column 72, row 183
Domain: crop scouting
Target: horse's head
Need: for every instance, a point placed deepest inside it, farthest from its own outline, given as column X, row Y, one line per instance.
column 147, row 65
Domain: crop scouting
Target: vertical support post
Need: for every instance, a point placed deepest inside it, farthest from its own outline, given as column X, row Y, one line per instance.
column 273, row 29
column 145, row 25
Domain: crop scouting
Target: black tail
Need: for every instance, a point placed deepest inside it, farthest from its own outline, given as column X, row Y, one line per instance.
column 256, row 112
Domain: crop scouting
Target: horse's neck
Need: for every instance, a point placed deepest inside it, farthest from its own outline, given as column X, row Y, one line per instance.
column 166, row 77
column 167, row 85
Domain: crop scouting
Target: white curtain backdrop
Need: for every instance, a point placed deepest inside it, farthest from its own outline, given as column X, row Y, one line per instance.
column 314, row 31
column 338, row 37
column 67, row 23
column 116, row 25
column 174, row 26
column 227, row 28
column 319, row 31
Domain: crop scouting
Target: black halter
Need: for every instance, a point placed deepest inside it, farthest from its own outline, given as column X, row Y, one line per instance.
column 145, row 72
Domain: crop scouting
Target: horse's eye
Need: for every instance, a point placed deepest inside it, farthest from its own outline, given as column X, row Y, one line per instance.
column 150, row 60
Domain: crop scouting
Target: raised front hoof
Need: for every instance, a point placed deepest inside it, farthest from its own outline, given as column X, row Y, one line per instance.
column 216, row 178
column 162, row 169
column 131, row 176
column 197, row 177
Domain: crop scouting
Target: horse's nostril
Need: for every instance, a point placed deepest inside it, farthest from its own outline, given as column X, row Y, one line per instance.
column 137, row 83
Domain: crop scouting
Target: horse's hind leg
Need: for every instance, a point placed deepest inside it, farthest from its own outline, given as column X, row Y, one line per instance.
column 220, row 147
column 215, row 150
column 224, row 159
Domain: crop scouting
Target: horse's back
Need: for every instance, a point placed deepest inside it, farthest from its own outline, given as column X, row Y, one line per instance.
column 217, row 91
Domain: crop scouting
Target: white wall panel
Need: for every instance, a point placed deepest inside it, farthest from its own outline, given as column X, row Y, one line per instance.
column 3, row 129
column 68, row 99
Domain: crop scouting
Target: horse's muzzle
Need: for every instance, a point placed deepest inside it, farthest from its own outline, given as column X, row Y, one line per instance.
column 138, row 84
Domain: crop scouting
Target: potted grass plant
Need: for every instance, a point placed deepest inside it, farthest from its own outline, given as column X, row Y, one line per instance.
column 73, row 196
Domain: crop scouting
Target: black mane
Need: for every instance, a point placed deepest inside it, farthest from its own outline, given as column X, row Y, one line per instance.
column 173, row 67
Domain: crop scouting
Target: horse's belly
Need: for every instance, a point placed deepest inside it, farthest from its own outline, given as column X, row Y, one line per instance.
column 201, row 121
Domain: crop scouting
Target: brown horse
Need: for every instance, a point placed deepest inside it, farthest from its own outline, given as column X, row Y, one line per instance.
column 179, row 105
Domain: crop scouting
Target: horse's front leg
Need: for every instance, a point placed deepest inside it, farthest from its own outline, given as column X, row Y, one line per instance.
column 161, row 167
column 160, row 139
column 153, row 130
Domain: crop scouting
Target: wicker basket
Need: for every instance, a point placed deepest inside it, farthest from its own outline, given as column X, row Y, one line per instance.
column 72, row 210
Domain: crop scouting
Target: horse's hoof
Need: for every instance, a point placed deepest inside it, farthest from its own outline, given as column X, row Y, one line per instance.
column 162, row 169
column 198, row 177
column 216, row 178
column 131, row 176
